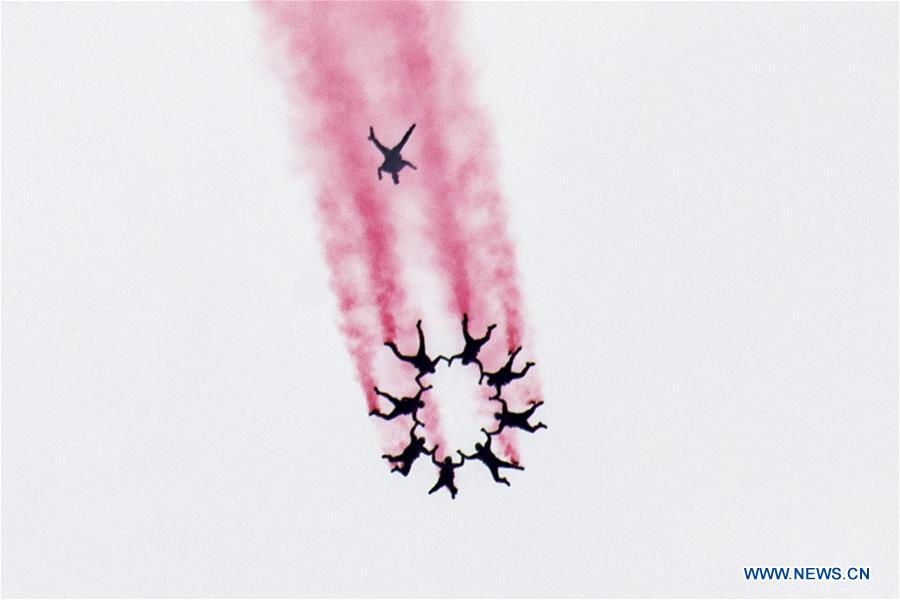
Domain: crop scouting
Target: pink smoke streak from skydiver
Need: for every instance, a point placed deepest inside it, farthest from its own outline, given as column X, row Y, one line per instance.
column 398, row 62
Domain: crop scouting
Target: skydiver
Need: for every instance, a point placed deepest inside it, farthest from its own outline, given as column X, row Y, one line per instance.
column 402, row 406
column 408, row 455
column 491, row 461
column 393, row 162
column 472, row 346
column 506, row 418
column 446, row 476
column 505, row 374
column 420, row 359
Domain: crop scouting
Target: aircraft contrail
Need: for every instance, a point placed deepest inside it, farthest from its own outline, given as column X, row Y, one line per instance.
column 349, row 66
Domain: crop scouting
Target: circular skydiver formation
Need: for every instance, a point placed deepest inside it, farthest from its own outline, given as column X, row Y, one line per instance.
column 402, row 463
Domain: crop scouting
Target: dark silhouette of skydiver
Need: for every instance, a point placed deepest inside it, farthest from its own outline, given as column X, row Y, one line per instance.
column 402, row 406
column 420, row 359
column 491, row 461
column 446, row 475
column 393, row 162
column 470, row 351
column 506, row 418
column 505, row 374
column 408, row 455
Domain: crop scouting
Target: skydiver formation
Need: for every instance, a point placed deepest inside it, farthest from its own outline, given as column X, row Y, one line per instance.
column 409, row 406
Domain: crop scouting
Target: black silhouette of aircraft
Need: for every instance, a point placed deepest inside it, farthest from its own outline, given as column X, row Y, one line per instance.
column 393, row 162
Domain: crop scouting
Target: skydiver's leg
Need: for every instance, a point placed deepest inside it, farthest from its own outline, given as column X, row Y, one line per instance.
column 396, row 351
column 395, row 177
column 405, row 137
column 508, row 465
column 532, row 428
column 378, row 144
column 453, row 490
column 436, row 487
column 406, row 163
column 387, row 417
column 495, row 472
column 379, row 173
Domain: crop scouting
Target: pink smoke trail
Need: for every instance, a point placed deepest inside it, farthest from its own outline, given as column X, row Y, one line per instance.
column 351, row 65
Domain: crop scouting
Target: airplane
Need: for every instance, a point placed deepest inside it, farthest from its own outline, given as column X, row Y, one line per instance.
column 393, row 162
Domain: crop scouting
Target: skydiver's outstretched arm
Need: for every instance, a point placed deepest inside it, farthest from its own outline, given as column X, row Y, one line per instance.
column 532, row 428
column 512, row 358
column 500, row 426
column 442, row 357
column 465, row 326
column 433, row 455
column 487, row 444
column 460, row 452
column 378, row 144
column 460, row 463
column 405, row 139
column 509, row 465
column 501, row 401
